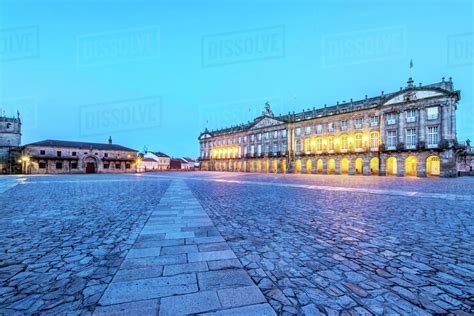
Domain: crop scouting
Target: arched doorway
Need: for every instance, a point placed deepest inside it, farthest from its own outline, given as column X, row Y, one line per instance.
column 90, row 164
column 275, row 166
column 411, row 166
column 391, row 168
column 245, row 167
column 359, row 166
column 298, row 166
column 374, row 166
column 259, row 166
column 308, row 166
column 344, row 166
column 433, row 166
column 265, row 166
column 319, row 166
column 331, row 166
column 252, row 166
column 283, row 166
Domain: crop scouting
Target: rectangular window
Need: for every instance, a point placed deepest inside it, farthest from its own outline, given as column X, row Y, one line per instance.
column 74, row 165
column 411, row 115
column 358, row 123
column 275, row 148
column 391, row 139
column 252, row 137
column 284, row 148
column 42, row 152
column 298, row 147
column 117, row 166
column 259, row 136
column 106, row 155
column 267, row 135
column 267, row 149
column 58, row 153
column 240, row 139
column 374, row 140
column 127, row 166
column 391, row 119
column 245, row 151
column 308, row 130
column 275, row 134
column 330, row 127
column 106, row 166
column 298, row 131
column 283, row 133
column 319, row 129
column 343, row 125
column 42, row 165
column 358, row 142
column 411, row 138
column 331, row 143
column 245, row 139
column 252, row 150
column 319, row 144
column 433, row 136
column 374, row 121
column 59, row 165
column 344, row 142
column 432, row 113
column 74, row 153
column 259, row 149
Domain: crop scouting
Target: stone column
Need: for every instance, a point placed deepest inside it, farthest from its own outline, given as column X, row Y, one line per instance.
column 352, row 166
column 444, row 122
column 325, row 165
column 382, row 129
column 400, row 166
column 366, row 163
column 313, row 166
column 453, row 120
column 421, row 124
column 401, row 127
column 382, row 166
column 338, row 166
column 421, row 166
column 303, row 166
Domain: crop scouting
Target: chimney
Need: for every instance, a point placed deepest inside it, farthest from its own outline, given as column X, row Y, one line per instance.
column 110, row 140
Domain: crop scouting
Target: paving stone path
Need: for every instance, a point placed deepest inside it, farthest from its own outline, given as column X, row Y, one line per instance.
column 180, row 264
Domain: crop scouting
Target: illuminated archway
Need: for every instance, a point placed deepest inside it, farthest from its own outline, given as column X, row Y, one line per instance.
column 433, row 166
column 283, row 166
column 252, row 166
column 265, row 166
column 344, row 166
column 298, row 166
column 239, row 166
column 374, row 166
column 308, row 166
column 319, row 166
column 274, row 166
column 331, row 166
column 359, row 166
column 391, row 168
column 411, row 166
column 245, row 166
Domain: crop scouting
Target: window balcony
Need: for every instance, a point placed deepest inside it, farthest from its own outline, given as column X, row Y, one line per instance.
column 358, row 125
column 372, row 124
column 431, row 145
column 391, row 147
column 343, row 128
column 433, row 117
column 391, row 121
column 410, row 146
column 411, row 119
column 330, row 129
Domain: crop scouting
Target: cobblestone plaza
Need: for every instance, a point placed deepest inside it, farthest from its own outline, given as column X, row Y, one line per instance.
column 236, row 243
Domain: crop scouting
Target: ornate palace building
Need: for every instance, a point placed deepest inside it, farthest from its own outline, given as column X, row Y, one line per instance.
column 411, row 132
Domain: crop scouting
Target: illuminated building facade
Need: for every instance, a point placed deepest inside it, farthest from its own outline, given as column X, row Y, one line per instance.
column 10, row 141
column 411, row 132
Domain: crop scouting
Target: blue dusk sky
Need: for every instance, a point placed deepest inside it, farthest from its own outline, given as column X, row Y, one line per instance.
column 156, row 73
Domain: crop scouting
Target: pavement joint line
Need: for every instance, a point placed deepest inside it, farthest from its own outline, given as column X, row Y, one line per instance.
column 442, row 196
column 190, row 279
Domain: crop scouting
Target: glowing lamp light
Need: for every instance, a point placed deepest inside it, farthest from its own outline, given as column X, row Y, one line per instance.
column 325, row 142
column 365, row 138
column 350, row 140
column 337, row 141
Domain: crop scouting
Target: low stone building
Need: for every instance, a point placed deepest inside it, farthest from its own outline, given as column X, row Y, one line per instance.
column 162, row 161
column 59, row 156
column 10, row 141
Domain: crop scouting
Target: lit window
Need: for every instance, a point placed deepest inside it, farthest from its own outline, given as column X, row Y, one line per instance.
column 319, row 129
column 374, row 121
column 298, row 131
column 283, row 133
column 374, row 140
column 358, row 123
column 344, row 142
column 358, row 141
column 308, row 130
column 331, row 143
column 319, row 144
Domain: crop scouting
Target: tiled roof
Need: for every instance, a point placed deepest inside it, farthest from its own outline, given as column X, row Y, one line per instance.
column 79, row 145
column 160, row 154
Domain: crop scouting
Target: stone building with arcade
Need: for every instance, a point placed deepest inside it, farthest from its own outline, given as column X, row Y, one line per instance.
column 410, row 132
column 59, row 157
